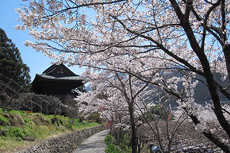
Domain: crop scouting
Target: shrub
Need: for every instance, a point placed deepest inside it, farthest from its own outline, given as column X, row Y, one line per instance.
column 158, row 112
column 16, row 132
column 55, row 121
column 3, row 120
column 125, row 143
column 17, row 112
column 14, row 119
column 70, row 123
column 22, row 133
column 29, row 134
column 3, row 132
column 27, row 120
column 95, row 117
column 110, row 147
column 108, row 139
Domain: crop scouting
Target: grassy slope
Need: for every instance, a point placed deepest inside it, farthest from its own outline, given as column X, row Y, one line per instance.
column 19, row 129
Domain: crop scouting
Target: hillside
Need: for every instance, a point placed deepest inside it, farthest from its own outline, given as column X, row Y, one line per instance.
column 19, row 129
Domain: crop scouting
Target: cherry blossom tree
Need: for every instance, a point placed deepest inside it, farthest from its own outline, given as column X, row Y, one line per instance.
column 123, row 101
column 145, row 39
column 118, row 98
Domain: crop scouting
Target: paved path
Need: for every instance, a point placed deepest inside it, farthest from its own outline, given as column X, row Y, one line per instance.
column 94, row 144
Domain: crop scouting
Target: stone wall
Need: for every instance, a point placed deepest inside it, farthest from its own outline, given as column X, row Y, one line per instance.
column 65, row 143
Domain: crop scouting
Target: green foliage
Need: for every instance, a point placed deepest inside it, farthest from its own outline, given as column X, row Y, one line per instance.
column 33, row 126
column 17, row 112
column 29, row 134
column 108, row 139
column 3, row 120
column 16, row 132
column 20, row 133
column 19, row 128
column 1, row 111
column 110, row 146
column 125, row 144
column 11, row 63
column 158, row 112
column 26, row 120
column 95, row 117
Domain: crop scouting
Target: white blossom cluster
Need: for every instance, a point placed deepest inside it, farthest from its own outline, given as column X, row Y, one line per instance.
column 111, row 96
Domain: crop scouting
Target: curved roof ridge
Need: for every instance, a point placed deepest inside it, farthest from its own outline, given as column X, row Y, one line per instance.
column 56, row 67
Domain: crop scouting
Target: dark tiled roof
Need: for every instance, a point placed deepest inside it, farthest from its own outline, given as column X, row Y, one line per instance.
column 55, row 67
column 60, row 78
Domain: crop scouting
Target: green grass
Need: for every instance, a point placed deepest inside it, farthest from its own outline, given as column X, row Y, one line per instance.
column 110, row 146
column 19, row 128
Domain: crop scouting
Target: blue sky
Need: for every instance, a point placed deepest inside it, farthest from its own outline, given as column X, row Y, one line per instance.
column 36, row 61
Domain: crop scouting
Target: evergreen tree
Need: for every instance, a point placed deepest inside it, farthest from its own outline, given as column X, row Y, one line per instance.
column 11, row 63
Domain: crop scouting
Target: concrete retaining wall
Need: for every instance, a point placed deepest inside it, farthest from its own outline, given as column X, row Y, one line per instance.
column 65, row 143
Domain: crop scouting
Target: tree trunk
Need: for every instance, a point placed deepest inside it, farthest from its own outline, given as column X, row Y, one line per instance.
column 133, row 128
column 226, row 51
column 215, row 97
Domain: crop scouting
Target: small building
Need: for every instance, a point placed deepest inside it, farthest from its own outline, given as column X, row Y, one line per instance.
column 56, row 80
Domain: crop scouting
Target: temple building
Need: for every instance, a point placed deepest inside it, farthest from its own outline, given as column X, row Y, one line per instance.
column 55, row 90
column 56, row 80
